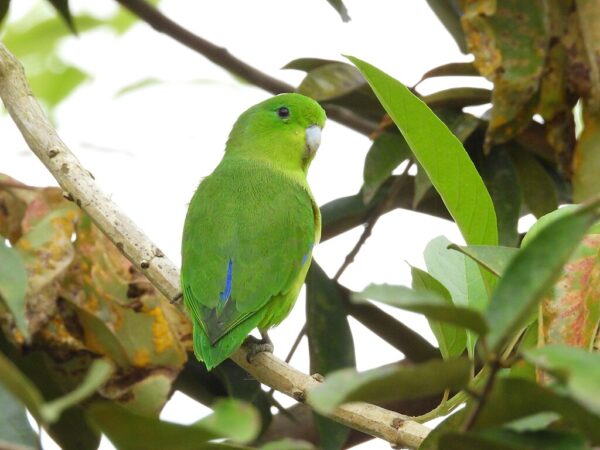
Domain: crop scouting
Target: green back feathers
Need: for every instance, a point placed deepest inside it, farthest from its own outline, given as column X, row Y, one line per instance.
column 250, row 227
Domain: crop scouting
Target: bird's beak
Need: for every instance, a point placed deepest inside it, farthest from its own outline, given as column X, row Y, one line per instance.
column 313, row 139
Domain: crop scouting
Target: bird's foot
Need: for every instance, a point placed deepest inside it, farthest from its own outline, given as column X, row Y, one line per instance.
column 255, row 346
column 176, row 298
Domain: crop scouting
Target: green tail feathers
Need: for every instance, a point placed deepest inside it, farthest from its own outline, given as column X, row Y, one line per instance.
column 213, row 355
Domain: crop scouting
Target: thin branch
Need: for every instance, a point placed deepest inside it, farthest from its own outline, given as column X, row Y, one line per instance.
column 371, row 221
column 221, row 57
column 481, row 398
column 77, row 182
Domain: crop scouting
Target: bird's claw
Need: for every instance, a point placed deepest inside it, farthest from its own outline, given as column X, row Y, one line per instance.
column 255, row 346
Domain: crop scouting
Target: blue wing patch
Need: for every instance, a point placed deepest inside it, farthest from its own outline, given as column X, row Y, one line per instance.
column 224, row 295
column 305, row 257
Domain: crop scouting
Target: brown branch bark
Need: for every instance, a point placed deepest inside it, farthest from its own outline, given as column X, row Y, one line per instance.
column 79, row 184
column 221, row 57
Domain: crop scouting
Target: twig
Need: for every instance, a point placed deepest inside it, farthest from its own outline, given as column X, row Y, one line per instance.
column 221, row 57
column 481, row 398
column 43, row 140
column 371, row 221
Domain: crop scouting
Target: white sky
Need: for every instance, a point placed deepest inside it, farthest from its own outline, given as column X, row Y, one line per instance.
column 165, row 138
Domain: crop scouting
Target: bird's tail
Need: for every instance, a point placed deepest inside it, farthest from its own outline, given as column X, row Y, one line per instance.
column 214, row 354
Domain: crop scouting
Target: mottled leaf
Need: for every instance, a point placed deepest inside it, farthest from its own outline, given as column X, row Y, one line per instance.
column 493, row 258
column 538, row 188
column 570, row 313
column 509, row 40
column 389, row 383
column 532, row 271
column 13, row 285
column 441, row 154
column 577, row 369
column 588, row 18
column 386, row 153
column 586, row 163
column 330, row 343
column 451, row 340
column 427, row 303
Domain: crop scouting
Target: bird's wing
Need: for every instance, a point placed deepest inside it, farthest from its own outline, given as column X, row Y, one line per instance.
column 248, row 232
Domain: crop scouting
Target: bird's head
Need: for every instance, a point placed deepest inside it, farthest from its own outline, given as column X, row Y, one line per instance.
column 284, row 130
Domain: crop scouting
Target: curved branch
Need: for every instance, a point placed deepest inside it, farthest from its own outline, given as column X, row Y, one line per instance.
column 221, row 57
column 79, row 185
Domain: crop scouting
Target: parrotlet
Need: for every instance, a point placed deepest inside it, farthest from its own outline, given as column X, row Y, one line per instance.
column 251, row 227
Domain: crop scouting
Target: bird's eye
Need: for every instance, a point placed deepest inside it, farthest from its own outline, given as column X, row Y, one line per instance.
column 283, row 112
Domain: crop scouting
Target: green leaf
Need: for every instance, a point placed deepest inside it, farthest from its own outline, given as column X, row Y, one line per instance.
column 460, row 275
column 232, row 419
column 538, row 188
column 493, row 258
column 422, row 186
column 13, row 285
column 15, row 382
column 441, row 154
column 330, row 343
column 288, row 444
column 330, row 81
column 389, row 383
column 461, row 69
column 458, row 97
column 502, row 182
column 534, row 422
column 98, row 374
column 146, row 82
column 386, row 153
column 62, row 7
column 14, row 426
column 130, row 431
column 516, row 398
column 576, row 368
column 53, row 86
column 4, row 5
column 308, row 64
column 240, row 385
column 532, row 271
column 500, row 439
column 448, row 13
column 451, row 340
column 426, row 303
column 340, row 8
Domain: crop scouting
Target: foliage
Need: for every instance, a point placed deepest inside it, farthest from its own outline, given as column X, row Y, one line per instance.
column 88, row 344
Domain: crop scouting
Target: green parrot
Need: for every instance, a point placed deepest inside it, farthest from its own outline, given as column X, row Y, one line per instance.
column 251, row 227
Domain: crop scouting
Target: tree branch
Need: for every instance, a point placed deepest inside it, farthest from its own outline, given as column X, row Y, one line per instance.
column 79, row 184
column 221, row 57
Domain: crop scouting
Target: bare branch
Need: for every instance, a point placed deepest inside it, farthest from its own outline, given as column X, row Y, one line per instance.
column 221, row 57
column 79, row 184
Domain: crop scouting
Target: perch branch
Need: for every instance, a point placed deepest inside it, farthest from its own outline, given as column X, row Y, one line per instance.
column 79, row 185
column 222, row 58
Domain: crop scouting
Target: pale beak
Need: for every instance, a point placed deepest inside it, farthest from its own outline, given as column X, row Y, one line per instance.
column 313, row 139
